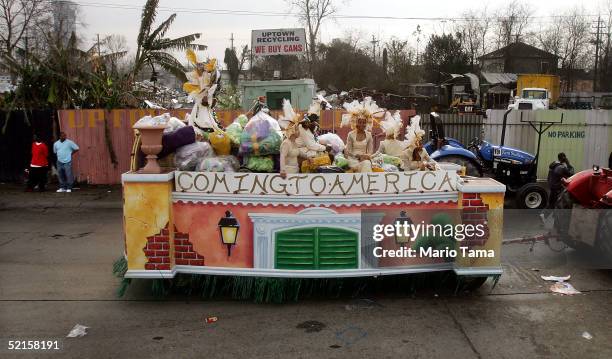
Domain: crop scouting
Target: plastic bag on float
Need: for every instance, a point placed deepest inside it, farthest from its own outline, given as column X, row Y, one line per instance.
column 261, row 136
column 389, row 168
column 341, row 162
column 174, row 124
column 260, row 164
column 211, row 164
column 153, row 121
column 242, row 120
column 188, row 157
column 334, row 141
column 234, row 131
column 219, row 164
column 220, row 142
column 391, row 160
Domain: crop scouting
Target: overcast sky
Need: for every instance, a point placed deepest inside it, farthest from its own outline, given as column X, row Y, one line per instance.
column 216, row 29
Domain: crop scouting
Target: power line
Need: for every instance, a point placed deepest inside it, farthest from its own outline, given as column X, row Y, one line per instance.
column 286, row 14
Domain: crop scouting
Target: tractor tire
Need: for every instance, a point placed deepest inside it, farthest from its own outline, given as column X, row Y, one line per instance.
column 603, row 243
column 471, row 167
column 532, row 196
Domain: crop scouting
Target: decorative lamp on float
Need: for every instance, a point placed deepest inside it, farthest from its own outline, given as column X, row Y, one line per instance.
column 403, row 218
column 228, row 227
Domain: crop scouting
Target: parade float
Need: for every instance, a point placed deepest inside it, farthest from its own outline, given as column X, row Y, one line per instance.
column 269, row 198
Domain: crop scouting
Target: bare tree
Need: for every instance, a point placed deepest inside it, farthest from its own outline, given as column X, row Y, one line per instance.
column 569, row 38
column 475, row 29
column 512, row 22
column 17, row 17
column 312, row 13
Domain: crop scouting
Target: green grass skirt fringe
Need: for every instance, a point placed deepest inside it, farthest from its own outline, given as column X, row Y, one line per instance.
column 282, row 290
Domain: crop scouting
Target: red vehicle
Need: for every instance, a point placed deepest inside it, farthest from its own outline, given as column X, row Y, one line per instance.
column 583, row 212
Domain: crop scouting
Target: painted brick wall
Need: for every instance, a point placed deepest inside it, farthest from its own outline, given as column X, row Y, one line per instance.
column 474, row 212
column 183, row 251
column 157, row 251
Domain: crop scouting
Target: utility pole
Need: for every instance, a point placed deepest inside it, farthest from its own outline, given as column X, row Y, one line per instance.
column 99, row 52
column 374, row 42
column 232, row 41
column 598, row 34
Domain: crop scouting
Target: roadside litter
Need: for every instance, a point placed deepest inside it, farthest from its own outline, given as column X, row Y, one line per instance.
column 587, row 335
column 78, row 331
column 563, row 288
column 210, row 320
column 553, row 278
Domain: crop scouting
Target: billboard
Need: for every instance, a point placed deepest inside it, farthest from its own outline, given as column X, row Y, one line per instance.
column 278, row 42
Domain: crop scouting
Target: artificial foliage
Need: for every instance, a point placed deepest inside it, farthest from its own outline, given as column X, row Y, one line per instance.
column 283, row 290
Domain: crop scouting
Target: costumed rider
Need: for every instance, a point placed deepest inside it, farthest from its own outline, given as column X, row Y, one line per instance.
column 391, row 146
column 359, row 142
column 415, row 156
column 202, row 85
column 306, row 141
column 289, row 122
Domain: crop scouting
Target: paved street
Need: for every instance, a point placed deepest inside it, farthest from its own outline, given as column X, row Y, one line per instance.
column 55, row 271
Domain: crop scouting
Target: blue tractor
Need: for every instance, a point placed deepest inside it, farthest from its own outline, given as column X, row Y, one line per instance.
column 515, row 168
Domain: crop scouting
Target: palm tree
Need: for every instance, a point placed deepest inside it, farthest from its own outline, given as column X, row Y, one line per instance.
column 153, row 47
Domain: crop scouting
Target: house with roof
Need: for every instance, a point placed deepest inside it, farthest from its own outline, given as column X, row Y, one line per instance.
column 520, row 58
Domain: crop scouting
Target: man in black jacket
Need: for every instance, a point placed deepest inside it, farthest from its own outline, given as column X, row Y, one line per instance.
column 556, row 172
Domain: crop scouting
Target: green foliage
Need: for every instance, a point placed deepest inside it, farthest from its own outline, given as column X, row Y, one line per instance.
column 229, row 98
column 444, row 54
column 154, row 48
column 345, row 67
column 233, row 66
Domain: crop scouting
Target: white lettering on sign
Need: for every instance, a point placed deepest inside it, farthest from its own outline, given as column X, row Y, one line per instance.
column 322, row 184
column 278, row 42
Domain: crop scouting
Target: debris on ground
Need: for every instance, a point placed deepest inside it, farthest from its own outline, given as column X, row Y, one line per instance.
column 362, row 304
column 209, row 320
column 587, row 335
column 553, row 278
column 78, row 331
column 563, row 288
column 311, row 326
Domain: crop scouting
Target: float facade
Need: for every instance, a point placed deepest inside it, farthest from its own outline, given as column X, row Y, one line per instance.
column 299, row 226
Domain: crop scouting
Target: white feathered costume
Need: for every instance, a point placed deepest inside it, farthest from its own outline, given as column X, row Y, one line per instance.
column 309, row 147
column 289, row 122
column 415, row 157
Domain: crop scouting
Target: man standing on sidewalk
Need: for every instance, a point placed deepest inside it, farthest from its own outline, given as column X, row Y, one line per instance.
column 38, row 166
column 64, row 149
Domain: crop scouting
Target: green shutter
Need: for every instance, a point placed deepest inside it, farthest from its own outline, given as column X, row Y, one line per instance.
column 316, row 248
column 337, row 248
column 295, row 249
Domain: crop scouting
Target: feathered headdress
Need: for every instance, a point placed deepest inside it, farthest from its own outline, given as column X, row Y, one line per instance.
column 289, row 120
column 314, row 111
column 204, row 74
column 392, row 123
column 414, row 131
column 366, row 109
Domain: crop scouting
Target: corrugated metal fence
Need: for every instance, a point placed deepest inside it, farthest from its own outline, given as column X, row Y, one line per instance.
column 87, row 128
column 461, row 127
column 584, row 135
